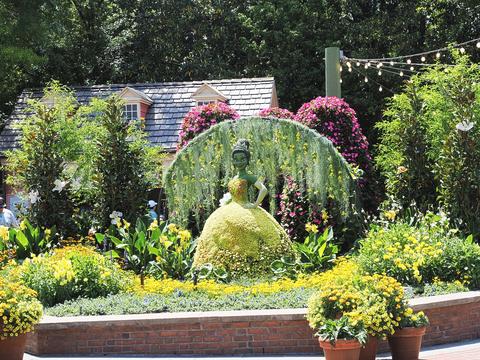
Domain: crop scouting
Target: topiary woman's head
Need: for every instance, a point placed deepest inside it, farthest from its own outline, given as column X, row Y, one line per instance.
column 241, row 154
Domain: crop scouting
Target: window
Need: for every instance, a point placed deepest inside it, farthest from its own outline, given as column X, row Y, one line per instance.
column 130, row 112
column 205, row 102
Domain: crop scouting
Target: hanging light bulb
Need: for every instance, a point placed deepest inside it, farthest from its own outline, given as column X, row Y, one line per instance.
column 409, row 61
column 379, row 72
column 423, row 59
column 438, row 55
column 369, row 64
column 366, row 79
column 391, row 62
column 358, row 63
column 378, row 65
column 341, row 81
column 478, row 45
column 349, row 64
column 341, row 68
column 411, row 68
column 349, row 69
column 462, row 50
column 401, row 73
column 380, row 88
column 365, row 66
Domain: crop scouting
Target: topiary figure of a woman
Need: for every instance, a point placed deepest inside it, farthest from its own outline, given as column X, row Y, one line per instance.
column 241, row 236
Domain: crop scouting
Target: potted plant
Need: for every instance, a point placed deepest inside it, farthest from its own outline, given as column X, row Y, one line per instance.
column 371, row 300
column 20, row 310
column 382, row 297
column 341, row 340
column 406, row 342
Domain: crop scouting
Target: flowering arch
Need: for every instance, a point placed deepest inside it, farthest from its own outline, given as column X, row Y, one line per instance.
column 197, row 177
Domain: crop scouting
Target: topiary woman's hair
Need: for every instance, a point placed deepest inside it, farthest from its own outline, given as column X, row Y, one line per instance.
column 242, row 145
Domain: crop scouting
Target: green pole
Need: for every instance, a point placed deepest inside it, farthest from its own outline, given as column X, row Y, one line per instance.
column 332, row 72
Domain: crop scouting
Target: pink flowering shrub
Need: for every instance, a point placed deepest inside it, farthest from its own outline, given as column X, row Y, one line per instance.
column 295, row 211
column 201, row 118
column 337, row 121
column 276, row 112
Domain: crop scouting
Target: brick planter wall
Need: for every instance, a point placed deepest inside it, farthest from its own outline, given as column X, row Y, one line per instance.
column 453, row 317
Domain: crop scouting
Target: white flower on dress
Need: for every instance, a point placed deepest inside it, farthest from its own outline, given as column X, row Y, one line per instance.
column 59, row 185
column 33, row 196
column 115, row 216
column 225, row 199
column 464, row 126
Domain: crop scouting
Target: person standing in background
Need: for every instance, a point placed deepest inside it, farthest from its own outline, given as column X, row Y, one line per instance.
column 153, row 214
column 7, row 218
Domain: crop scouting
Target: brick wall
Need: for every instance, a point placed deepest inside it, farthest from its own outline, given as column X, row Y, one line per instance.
column 453, row 317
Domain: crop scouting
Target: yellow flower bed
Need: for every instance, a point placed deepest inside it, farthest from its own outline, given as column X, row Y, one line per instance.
column 70, row 272
column 212, row 288
column 19, row 309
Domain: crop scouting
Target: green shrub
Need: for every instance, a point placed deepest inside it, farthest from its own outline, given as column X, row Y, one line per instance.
column 460, row 261
column 180, row 301
column 429, row 149
column 442, row 288
column 69, row 273
column 420, row 253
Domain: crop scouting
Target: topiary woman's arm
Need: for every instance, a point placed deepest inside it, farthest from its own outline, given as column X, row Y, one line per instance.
column 262, row 193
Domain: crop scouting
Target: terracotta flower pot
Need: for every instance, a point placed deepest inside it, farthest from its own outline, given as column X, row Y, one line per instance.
column 405, row 343
column 12, row 348
column 369, row 351
column 343, row 349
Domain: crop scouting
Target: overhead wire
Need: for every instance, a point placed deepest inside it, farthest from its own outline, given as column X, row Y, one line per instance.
column 421, row 53
column 376, row 82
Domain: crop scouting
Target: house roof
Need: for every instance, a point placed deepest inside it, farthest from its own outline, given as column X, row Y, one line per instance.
column 170, row 102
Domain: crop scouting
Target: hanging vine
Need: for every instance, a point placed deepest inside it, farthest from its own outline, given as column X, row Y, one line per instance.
column 198, row 176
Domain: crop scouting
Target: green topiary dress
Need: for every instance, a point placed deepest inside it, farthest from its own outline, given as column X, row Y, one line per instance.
column 241, row 238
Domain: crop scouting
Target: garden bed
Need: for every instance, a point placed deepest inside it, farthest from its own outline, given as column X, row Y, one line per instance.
column 452, row 317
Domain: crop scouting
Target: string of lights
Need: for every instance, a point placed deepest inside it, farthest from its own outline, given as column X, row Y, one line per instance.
column 403, row 65
column 366, row 79
column 436, row 51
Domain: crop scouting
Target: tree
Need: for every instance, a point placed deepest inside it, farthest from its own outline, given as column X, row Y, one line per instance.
column 127, row 167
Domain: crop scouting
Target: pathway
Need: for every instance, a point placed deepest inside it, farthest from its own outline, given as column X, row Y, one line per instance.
column 458, row 351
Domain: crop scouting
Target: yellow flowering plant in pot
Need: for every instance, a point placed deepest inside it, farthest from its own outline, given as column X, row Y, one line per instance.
column 374, row 301
column 406, row 341
column 20, row 310
column 340, row 339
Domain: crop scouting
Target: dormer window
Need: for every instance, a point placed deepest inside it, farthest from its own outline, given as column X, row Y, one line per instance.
column 205, row 102
column 136, row 104
column 130, row 111
column 207, row 94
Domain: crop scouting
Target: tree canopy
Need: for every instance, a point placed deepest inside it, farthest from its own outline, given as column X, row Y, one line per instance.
column 81, row 42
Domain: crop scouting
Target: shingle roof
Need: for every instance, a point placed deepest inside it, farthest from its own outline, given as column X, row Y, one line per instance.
column 171, row 101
